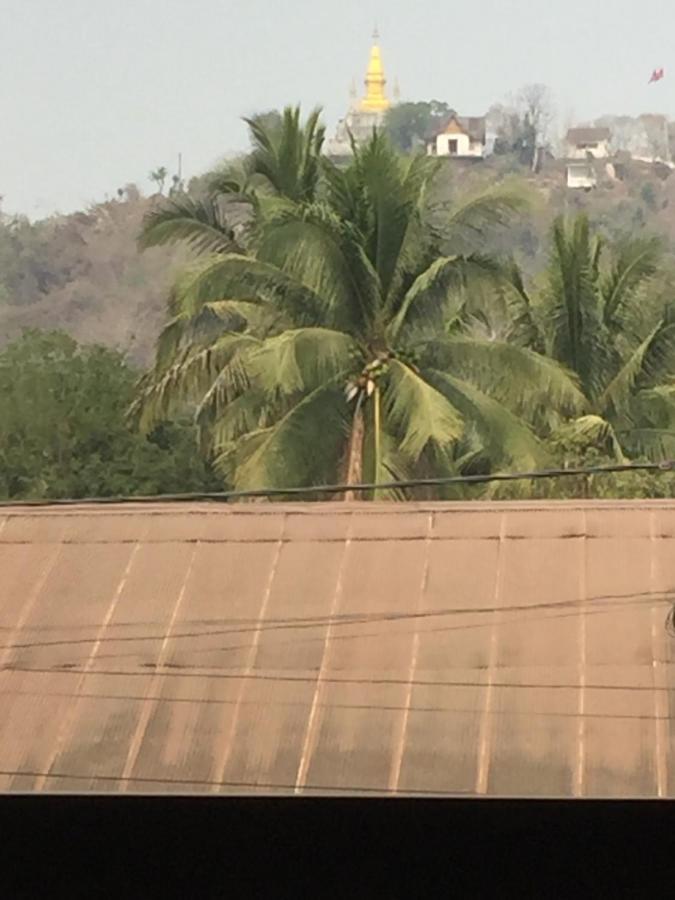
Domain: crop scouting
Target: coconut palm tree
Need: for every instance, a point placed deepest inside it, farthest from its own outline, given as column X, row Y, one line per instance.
column 284, row 165
column 601, row 315
column 348, row 352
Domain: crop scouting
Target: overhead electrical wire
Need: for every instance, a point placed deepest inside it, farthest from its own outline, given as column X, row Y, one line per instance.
column 260, row 787
column 611, row 602
column 357, row 707
column 284, row 622
column 312, row 490
column 176, row 671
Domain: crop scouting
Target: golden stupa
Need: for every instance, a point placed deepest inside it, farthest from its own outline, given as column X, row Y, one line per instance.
column 376, row 98
column 366, row 114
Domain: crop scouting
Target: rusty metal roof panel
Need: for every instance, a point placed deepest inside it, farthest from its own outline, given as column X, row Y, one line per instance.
column 482, row 649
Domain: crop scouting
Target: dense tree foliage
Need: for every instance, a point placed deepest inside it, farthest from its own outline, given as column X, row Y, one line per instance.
column 63, row 432
column 338, row 341
column 602, row 314
column 409, row 125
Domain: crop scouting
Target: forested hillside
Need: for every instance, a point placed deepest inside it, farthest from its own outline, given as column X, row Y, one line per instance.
column 84, row 273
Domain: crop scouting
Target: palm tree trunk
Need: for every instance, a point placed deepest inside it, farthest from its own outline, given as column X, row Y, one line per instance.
column 355, row 461
column 377, row 441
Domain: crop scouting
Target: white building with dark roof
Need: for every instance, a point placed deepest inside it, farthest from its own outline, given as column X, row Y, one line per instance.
column 462, row 136
column 584, row 143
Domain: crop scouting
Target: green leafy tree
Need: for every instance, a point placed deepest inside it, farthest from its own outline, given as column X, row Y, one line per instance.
column 601, row 316
column 62, row 428
column 283, row 166
column 352, row 355
column 410, row 124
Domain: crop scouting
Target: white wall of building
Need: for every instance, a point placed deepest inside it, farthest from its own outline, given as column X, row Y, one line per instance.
column 581, row 177
column 457, row 145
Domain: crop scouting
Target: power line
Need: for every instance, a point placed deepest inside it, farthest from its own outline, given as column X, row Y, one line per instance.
column 260, row 786
column 177, row 671
column 340, row 618
column 230, row 648
column 290, row 624
column 359, row 707
column 202, row 651
column 312, row 490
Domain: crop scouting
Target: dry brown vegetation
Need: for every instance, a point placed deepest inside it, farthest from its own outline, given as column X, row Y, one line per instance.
column 83, row 274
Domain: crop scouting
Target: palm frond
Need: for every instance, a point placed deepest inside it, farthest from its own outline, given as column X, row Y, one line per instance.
column 234, row 455
column 164, row 392
column 302, row 360
column 517, row 377
column 506, row 438
column 233, row 178
column 345, row 194
column 199, row 224
column 394, row 465
column 169, row 341
column 194, row 321
column 302, row 448
column 388, row 193
column 426, row 295
column 437, row 293
column 495, row 207
column 574, row 315
column 656, row 444
column 658, row 366
column 320, row 252
column 238, row 277
column 524, row 326
column 240, row 417
column 636, row 262
column 391, row 204
column 228, row 384
column 288, row 155
column 651, row 361
column 417, row 412
column 654, row 405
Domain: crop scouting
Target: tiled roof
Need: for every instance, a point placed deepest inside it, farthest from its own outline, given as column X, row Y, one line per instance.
column 473, row 126
column 500, row 649
column 588, row 135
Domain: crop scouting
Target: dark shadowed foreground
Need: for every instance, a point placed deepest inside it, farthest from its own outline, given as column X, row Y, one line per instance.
column 506, row 649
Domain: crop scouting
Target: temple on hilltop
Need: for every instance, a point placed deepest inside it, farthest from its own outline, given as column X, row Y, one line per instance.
column 368, row 113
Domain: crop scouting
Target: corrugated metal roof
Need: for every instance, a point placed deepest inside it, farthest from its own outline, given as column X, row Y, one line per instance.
column 499, row 649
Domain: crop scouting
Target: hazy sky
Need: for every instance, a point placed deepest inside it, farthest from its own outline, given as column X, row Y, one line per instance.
column 95, row 93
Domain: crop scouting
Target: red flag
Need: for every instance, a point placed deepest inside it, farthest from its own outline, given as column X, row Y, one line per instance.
column 657, row 75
